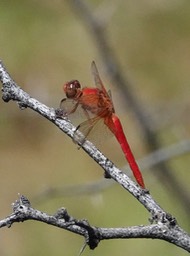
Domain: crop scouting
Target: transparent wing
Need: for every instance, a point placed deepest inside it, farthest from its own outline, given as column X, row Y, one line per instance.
column 97, row 79
column 73, row 110
column 93, row 130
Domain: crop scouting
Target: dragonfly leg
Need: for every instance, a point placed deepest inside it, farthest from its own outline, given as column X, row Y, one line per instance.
column 77, row 138
column 82, row 137
column 59, row 113
column 64, row 109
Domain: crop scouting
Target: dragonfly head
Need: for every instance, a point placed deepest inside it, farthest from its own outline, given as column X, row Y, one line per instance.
column 72, row 89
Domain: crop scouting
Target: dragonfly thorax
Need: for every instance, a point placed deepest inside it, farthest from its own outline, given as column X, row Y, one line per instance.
column 96, row 102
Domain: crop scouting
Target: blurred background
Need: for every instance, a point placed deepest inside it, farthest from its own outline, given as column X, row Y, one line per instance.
column 142, row 50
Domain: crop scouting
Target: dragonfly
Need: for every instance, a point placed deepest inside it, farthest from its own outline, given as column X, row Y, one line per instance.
column 96, row 105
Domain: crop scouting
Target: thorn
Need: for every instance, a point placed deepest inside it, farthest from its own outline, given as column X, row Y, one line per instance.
column 82, row 248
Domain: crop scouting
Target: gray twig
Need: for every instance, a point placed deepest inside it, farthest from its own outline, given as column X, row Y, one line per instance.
column 165, row 228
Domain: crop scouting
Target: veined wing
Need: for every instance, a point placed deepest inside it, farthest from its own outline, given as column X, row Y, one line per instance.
column 74, row 111
column 93, row 130
column 97, row 79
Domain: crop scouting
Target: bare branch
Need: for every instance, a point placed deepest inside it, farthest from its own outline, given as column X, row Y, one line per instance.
column 23, row 211
column 166, row 227
column 166, row 230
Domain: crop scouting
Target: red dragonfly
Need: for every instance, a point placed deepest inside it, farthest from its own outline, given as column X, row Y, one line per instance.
column 96, row 104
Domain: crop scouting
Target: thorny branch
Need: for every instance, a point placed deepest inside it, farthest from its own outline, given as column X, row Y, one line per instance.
column 165, row 226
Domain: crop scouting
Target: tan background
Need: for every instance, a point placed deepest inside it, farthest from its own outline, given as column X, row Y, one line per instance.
column 43, row 44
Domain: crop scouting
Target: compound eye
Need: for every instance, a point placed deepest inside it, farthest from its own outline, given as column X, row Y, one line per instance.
column 71, row 88
column 76, row 84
